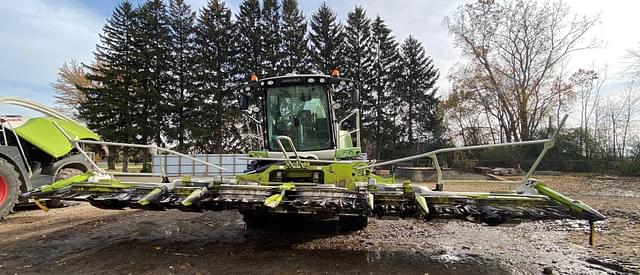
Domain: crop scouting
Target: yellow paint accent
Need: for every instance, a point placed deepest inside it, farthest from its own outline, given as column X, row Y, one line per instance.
column 40, row 205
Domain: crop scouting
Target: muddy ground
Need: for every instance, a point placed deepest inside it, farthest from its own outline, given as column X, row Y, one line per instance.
column 83, row 240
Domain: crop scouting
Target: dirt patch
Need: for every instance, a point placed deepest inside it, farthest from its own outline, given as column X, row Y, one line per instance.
column 215, row 242
column 619, row 198
column 82, row 239
column 618, row 238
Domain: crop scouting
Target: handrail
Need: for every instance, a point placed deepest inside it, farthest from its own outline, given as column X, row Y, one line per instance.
column 454, row 149
column 258, row 136
column 548, row 144
column 357, row 130
column 115, row 173
column 149, row 147
column 304, row 160
column 75, row 145
column 284, row 151
column 349, row 133
column 353, row 112
column 36, row 107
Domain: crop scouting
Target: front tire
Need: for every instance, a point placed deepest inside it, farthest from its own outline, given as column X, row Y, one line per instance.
column 9, row 187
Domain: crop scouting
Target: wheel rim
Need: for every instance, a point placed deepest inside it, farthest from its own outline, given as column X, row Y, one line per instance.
column 4, row 189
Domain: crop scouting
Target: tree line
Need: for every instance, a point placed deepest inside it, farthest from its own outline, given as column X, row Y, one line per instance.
column 164, row 73
column 512, row 84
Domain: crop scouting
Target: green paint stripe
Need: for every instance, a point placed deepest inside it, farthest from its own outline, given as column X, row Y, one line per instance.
column 66, row 182
column 575, row 207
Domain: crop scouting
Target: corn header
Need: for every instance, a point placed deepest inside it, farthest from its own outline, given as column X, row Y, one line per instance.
column 309, row 163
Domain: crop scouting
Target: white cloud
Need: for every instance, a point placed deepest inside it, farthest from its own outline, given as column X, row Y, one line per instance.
column 37, row 37
column 618, row 33
column 422, row 20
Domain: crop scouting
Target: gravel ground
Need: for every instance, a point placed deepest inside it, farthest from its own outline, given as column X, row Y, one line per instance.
column 84, row 240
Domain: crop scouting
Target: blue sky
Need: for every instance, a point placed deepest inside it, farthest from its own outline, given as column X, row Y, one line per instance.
column 38, row 36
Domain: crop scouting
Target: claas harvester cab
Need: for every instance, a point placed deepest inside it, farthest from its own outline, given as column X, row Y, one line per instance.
column 307, row 162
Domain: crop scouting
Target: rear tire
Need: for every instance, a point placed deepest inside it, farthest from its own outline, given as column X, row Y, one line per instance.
column 9, row 187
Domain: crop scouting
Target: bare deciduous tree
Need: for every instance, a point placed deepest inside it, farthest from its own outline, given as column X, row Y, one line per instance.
column 616, row 119
column 514, row 50
column 633, row 66
column 631, row 106
column 71, row 75
column 588, row 84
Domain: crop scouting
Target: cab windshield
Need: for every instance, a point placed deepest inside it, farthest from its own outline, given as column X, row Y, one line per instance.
column 301, row 113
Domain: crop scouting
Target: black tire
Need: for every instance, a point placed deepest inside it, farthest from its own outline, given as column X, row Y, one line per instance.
column 492, row 219
column 255, row 220
column 352, row 223
column 9, row 187
column 279, row 222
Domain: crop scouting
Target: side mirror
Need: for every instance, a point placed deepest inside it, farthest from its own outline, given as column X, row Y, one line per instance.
column 244, row 102
column 355, row 98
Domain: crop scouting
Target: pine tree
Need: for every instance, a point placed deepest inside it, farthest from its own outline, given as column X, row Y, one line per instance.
column 295, row 56
column 156, row 73
column 385, row 71
column 326, row 39
column 107, row 108
column 417, row 111
column 249, row 40
column 179, row 96
column 357, row 66
column 357, row 45
column 153, row 48
column 215, row 60
column 270, row 23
